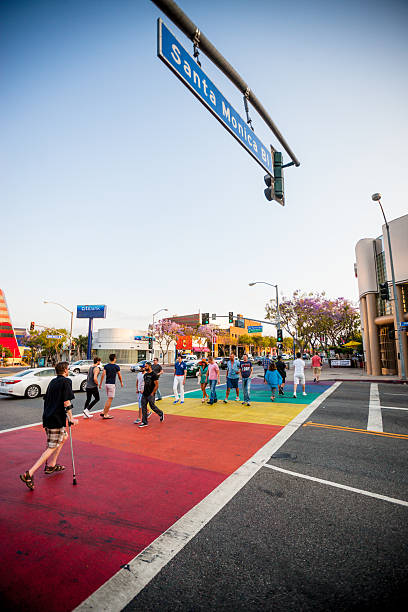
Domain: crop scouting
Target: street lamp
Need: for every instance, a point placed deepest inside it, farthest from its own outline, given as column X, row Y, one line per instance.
column 376, row 197
column 154, row 314
column 278, row 325
column 70, row 331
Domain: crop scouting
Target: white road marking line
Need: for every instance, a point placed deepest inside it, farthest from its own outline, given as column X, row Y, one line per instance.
column 393, row 500
column 374, row 410
column 392, row 408
column 119, row 590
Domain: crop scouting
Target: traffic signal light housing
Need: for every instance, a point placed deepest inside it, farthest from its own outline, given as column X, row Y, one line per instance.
column 32, row 326
column 150, row 343
column 230, row 317
column 205, row 318
column 384, row 291
column 279, row 335
column 274, row 185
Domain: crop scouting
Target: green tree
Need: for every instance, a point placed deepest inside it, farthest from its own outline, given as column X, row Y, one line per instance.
column 6, row 351
column 41, row 345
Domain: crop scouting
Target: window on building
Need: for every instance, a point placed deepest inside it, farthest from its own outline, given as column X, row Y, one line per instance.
column 404, row 291
column 383, row 306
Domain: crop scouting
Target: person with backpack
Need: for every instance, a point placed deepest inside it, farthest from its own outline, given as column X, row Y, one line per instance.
column 92, row 387
column 273, row 379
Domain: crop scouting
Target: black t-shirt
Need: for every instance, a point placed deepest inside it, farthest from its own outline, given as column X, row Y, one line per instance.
column 157, row 368
column 280, row 366
column 59, row 391
column 111, row 370
column 149, row 380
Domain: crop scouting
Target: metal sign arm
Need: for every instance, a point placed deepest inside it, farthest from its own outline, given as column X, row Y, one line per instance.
column 174, row 12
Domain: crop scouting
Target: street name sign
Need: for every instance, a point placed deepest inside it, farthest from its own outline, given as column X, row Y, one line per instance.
column 404, row 324
column 91, row 311
column 254, row 329
column 54, row 337
column 173, row 54
column 142, row 337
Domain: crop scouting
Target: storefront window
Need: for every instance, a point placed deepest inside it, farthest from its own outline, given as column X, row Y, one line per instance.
column 404, row 291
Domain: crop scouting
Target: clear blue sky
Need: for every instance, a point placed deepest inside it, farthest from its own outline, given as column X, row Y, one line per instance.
column 119, row 187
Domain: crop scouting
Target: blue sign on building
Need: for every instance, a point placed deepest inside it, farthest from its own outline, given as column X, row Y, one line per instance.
column 173, row 54
column 91, row 312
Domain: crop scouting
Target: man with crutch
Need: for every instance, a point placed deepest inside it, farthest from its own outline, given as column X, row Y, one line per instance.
column 57, row 407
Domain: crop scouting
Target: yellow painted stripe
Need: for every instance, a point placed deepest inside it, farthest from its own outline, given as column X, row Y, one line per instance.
column 354, row 430
column 262, row 413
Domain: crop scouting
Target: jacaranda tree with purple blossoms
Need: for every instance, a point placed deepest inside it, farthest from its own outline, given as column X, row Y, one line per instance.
column 317, row 321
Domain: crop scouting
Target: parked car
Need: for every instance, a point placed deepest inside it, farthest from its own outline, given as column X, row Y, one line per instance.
column 82, row 365
column 34, row 382
column 189, row 357
column 218, row 360
column 258, row 360
column 138, row 366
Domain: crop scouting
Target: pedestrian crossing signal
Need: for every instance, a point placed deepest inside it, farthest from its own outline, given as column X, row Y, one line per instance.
column 274, row 184
column 384, row 291
column 205, row 318
column 279, row 335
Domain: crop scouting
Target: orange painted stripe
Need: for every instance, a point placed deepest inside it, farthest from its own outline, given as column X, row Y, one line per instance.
column 353, row 429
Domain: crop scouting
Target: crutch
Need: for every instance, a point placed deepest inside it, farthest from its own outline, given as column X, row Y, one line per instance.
column 74, row 482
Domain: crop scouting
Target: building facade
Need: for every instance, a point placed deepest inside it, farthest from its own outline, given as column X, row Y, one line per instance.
column 378, row 319
column 129, row 345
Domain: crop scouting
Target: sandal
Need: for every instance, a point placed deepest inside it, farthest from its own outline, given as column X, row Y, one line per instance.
column 50, row 469
column 28, row 480
column 105, row 418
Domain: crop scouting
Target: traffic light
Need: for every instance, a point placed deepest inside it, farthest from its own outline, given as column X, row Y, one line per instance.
column 391, row 334
column 275, row 190
column 230, row 317
column 384, row 291
column 205, row 318
column 279, row 335
column 32, row 325
column 150, row 343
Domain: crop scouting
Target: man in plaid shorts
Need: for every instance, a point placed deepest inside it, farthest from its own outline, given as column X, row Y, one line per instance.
column 57, row 406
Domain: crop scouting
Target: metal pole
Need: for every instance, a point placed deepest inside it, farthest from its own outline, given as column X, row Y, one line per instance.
column 89, row 348
column 396, row 306
column 70, row 338
column 174, row 12
column 152, row 353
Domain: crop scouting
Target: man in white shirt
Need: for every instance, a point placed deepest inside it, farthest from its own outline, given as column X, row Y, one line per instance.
column 299, row 374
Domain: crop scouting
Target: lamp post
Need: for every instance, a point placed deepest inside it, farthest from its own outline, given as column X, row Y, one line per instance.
column 278, row 325
column 154, row 314
column 70, row 331
column 376, row 197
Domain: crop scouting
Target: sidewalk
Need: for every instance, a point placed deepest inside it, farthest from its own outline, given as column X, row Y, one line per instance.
column 351, row 374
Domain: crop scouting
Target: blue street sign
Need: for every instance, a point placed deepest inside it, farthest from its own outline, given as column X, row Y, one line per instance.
column 141, row 337
column 51, row 337
column 91, row 312
column 173, row 54
column 254, row 329
column 404, row 324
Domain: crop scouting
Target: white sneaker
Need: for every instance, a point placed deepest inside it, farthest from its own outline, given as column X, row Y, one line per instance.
column 304, row 393
column 294, row 395
column 87, row 414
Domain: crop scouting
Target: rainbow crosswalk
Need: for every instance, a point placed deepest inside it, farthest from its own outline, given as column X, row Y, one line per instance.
column 133, row 484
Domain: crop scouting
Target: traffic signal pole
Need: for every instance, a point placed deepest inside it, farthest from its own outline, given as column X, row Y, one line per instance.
column 396, row 305
column 174, row 12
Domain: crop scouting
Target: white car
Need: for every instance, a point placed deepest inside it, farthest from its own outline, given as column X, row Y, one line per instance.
column 82, row 365
column 34, row 382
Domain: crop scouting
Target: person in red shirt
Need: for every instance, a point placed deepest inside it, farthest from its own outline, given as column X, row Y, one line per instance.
column 317, row 367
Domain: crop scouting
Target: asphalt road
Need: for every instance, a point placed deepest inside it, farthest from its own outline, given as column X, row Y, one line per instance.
column 287, row 543
column 15, row 412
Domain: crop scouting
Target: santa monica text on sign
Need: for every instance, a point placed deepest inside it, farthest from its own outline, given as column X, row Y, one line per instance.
column 173, row 54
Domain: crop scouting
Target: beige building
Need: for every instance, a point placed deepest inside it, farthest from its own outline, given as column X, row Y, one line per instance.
column 379, row 323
